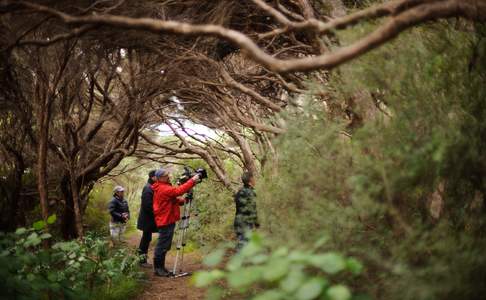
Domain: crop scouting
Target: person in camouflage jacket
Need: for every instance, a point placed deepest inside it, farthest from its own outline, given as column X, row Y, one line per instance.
column 246, row 217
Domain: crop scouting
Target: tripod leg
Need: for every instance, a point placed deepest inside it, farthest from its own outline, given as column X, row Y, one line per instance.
column 180, row 239
column 187, row 222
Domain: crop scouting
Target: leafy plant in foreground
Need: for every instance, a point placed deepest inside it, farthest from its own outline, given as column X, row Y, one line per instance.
column 260, row 274
column 68, row 270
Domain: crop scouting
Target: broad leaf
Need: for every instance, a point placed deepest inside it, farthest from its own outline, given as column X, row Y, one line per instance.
column 245, row 276
column 39, row 225
column 202, row 279
column 330, row 263
column 338, row 292
column 276, row 269
column 354, row 265
column 294, row 279
column 214, row 258
column 311, row 289
column 52, row 219
column 20, row 231
column 45, row 236
column 235, row 263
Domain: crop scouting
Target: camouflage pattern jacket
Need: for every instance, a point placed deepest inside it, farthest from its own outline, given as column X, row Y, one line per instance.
column 246, row 211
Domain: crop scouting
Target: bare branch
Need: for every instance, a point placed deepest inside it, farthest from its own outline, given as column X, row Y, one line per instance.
column 474, row 10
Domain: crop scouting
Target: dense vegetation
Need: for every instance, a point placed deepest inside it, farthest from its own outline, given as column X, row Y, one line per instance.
column 405, row 194
column 86, row 269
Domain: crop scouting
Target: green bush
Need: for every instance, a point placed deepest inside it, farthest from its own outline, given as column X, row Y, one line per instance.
column 421, row 102
column 68, row 270
column 97, row 216
column 260, row 273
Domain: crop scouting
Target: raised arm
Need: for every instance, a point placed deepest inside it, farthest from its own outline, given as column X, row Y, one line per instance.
column 183, row 188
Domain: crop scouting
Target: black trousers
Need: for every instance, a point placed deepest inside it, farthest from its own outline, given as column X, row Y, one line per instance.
column 166, row 234
column 145, row 243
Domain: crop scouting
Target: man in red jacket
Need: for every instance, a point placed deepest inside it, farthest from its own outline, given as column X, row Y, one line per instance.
column 167, row 213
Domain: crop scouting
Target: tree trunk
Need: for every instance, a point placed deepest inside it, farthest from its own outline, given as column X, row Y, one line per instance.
column 248, row 158
column 68, row 224
column 78, row 217
column 42, row 135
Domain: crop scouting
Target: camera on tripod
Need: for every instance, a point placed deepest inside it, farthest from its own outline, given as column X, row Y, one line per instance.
column 189, row 173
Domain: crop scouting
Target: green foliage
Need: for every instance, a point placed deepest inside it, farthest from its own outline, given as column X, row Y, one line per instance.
column 257, row 272
column 422, row 102
column 97, row 216
column 85, row 269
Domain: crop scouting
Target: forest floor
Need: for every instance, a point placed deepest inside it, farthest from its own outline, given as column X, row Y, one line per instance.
column 169, row 288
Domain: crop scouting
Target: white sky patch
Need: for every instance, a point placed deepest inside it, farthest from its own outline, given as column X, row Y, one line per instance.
column 194, row 129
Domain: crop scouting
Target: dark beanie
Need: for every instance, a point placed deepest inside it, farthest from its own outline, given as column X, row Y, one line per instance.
column 151, row 173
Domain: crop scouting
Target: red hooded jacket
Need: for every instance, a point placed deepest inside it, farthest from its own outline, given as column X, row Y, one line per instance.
column 166, row 203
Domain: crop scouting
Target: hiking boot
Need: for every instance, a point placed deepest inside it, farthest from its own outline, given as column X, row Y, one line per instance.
column 160, row 272
column 170, row 272
column 159, row 268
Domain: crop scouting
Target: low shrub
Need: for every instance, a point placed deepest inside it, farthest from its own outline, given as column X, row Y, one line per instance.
column 68, row 270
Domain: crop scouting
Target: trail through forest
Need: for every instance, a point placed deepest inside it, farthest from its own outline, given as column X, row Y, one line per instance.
column 170, row 288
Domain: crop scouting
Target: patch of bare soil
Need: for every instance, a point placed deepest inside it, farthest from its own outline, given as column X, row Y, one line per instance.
column 170, row 288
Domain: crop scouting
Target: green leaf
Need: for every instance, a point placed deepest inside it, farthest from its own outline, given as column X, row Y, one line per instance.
column 214, row 293
column 294, row 279
column 281, row 252
column 214, row 258
column 338, row 292
column 270, row 295
column 245, row 276
column 251, row 249
column 39, row 225
column 235, row 263
column 320, row 242
column 256, row 238
column 311, row 289
column 330, row 263
column 354, row 265
column 36, row 242
column 52, row 219
column 20, row 231
column 202, row 279
column 32, row 240
column 52, row 277
column 299, row 256
column 45, row 236
column 258, row 259
column 276, row 269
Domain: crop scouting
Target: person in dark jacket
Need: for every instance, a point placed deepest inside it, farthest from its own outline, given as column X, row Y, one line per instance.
column 120, row 214
column 246, row 218
column 146, row 220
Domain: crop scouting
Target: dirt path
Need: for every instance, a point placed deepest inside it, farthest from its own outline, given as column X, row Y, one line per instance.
column 170, row 288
